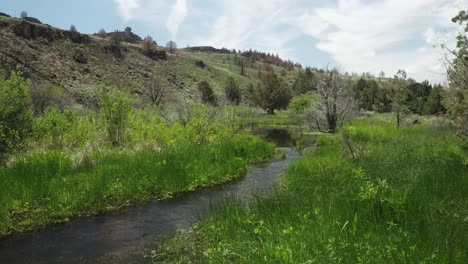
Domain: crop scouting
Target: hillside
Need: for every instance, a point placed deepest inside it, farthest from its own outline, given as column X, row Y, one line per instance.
column 79, row 63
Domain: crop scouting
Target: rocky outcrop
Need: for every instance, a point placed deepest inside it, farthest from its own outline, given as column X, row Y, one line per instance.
column 32, row 20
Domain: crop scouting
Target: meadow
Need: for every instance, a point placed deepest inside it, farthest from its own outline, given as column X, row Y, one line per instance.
column 370, row 194
column 71, row 169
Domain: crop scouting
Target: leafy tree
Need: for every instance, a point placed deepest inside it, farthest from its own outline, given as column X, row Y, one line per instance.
column 299, row 104
column 232, row 91
column 15, row 114
column 305, row 82
column 456, row 99
column 418, row 94
column 207, row 94
column 433, row 104
column 400, row 96
column 116, row 109
column 272, row 93
column 24, row 14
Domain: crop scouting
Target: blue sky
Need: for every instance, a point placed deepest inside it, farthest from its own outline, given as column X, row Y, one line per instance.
column 353, row 35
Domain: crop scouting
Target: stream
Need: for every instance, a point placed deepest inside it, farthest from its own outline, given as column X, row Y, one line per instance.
column 122, row 236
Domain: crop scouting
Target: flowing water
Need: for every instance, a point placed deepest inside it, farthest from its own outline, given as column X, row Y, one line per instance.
column 121, row 236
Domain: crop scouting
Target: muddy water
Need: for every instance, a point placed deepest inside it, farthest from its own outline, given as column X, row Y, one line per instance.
column 120, row 237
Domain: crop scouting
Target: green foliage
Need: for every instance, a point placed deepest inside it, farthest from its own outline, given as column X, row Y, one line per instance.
column 305, row 82
column 399, row 200
column 116, row 108
column 272, row 93
column 299, row 104
column 232, row 91
column 15, row 114
column 366, row 92
column 44, row 96
column 433, row 104
column 159, row 160
column 207, row 94
column 456, row 100
column 400, row 96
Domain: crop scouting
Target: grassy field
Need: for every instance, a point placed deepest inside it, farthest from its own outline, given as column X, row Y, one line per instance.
column 372, row 194
column 71, row 169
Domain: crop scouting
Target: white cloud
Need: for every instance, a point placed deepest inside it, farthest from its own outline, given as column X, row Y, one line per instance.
column 382, row 35
column 126, row 8
column 258, row 24
column 358, row 35
column 177, row 16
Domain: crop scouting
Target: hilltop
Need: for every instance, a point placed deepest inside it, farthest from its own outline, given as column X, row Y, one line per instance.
column 79, row 63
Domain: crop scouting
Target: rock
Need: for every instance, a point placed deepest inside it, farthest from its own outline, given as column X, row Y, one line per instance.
column 416, row 122
column 32, row 20
column 80, row 57
column 87, row 70
column 4, row 15
column 77, row 37
column 33, row 31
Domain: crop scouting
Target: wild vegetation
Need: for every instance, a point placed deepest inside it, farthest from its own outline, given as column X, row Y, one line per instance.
column 95, row 123
column 370, row 194
column 79, row 162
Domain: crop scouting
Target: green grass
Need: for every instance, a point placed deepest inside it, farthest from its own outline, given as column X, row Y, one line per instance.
column 401, row 199
column 71, row 169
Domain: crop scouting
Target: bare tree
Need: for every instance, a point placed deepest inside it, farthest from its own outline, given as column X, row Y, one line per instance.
column 381, row 75
column 24, row 14
column 158, row 90
column 102, row 33
column 335, row 103
column 148, row 45
column 171, row 46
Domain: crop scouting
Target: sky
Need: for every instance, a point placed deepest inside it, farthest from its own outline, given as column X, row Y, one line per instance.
column 351, row 35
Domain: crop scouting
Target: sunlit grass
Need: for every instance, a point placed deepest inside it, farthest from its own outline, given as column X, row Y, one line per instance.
column 401, row 199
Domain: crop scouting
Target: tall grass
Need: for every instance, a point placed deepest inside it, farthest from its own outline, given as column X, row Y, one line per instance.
column 383, row 196
column 71, row 169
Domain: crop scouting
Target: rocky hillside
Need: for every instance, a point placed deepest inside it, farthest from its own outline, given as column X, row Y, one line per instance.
column 80, row 63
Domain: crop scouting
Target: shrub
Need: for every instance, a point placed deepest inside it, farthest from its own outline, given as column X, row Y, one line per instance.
column 116, row 108
column 15, row 114
column 272, row 93
column 232, row 91
column 102, row 33
column 299, row 104
column 207, row 94
column 148, row 45
column 44, row 96
column 73, row 29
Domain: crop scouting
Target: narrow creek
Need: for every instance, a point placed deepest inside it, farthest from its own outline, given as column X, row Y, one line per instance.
column 122, row 236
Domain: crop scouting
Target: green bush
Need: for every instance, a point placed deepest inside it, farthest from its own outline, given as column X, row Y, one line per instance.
column 207, row 94
column 116, row 108
column 15, row 113
column 232, row 91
